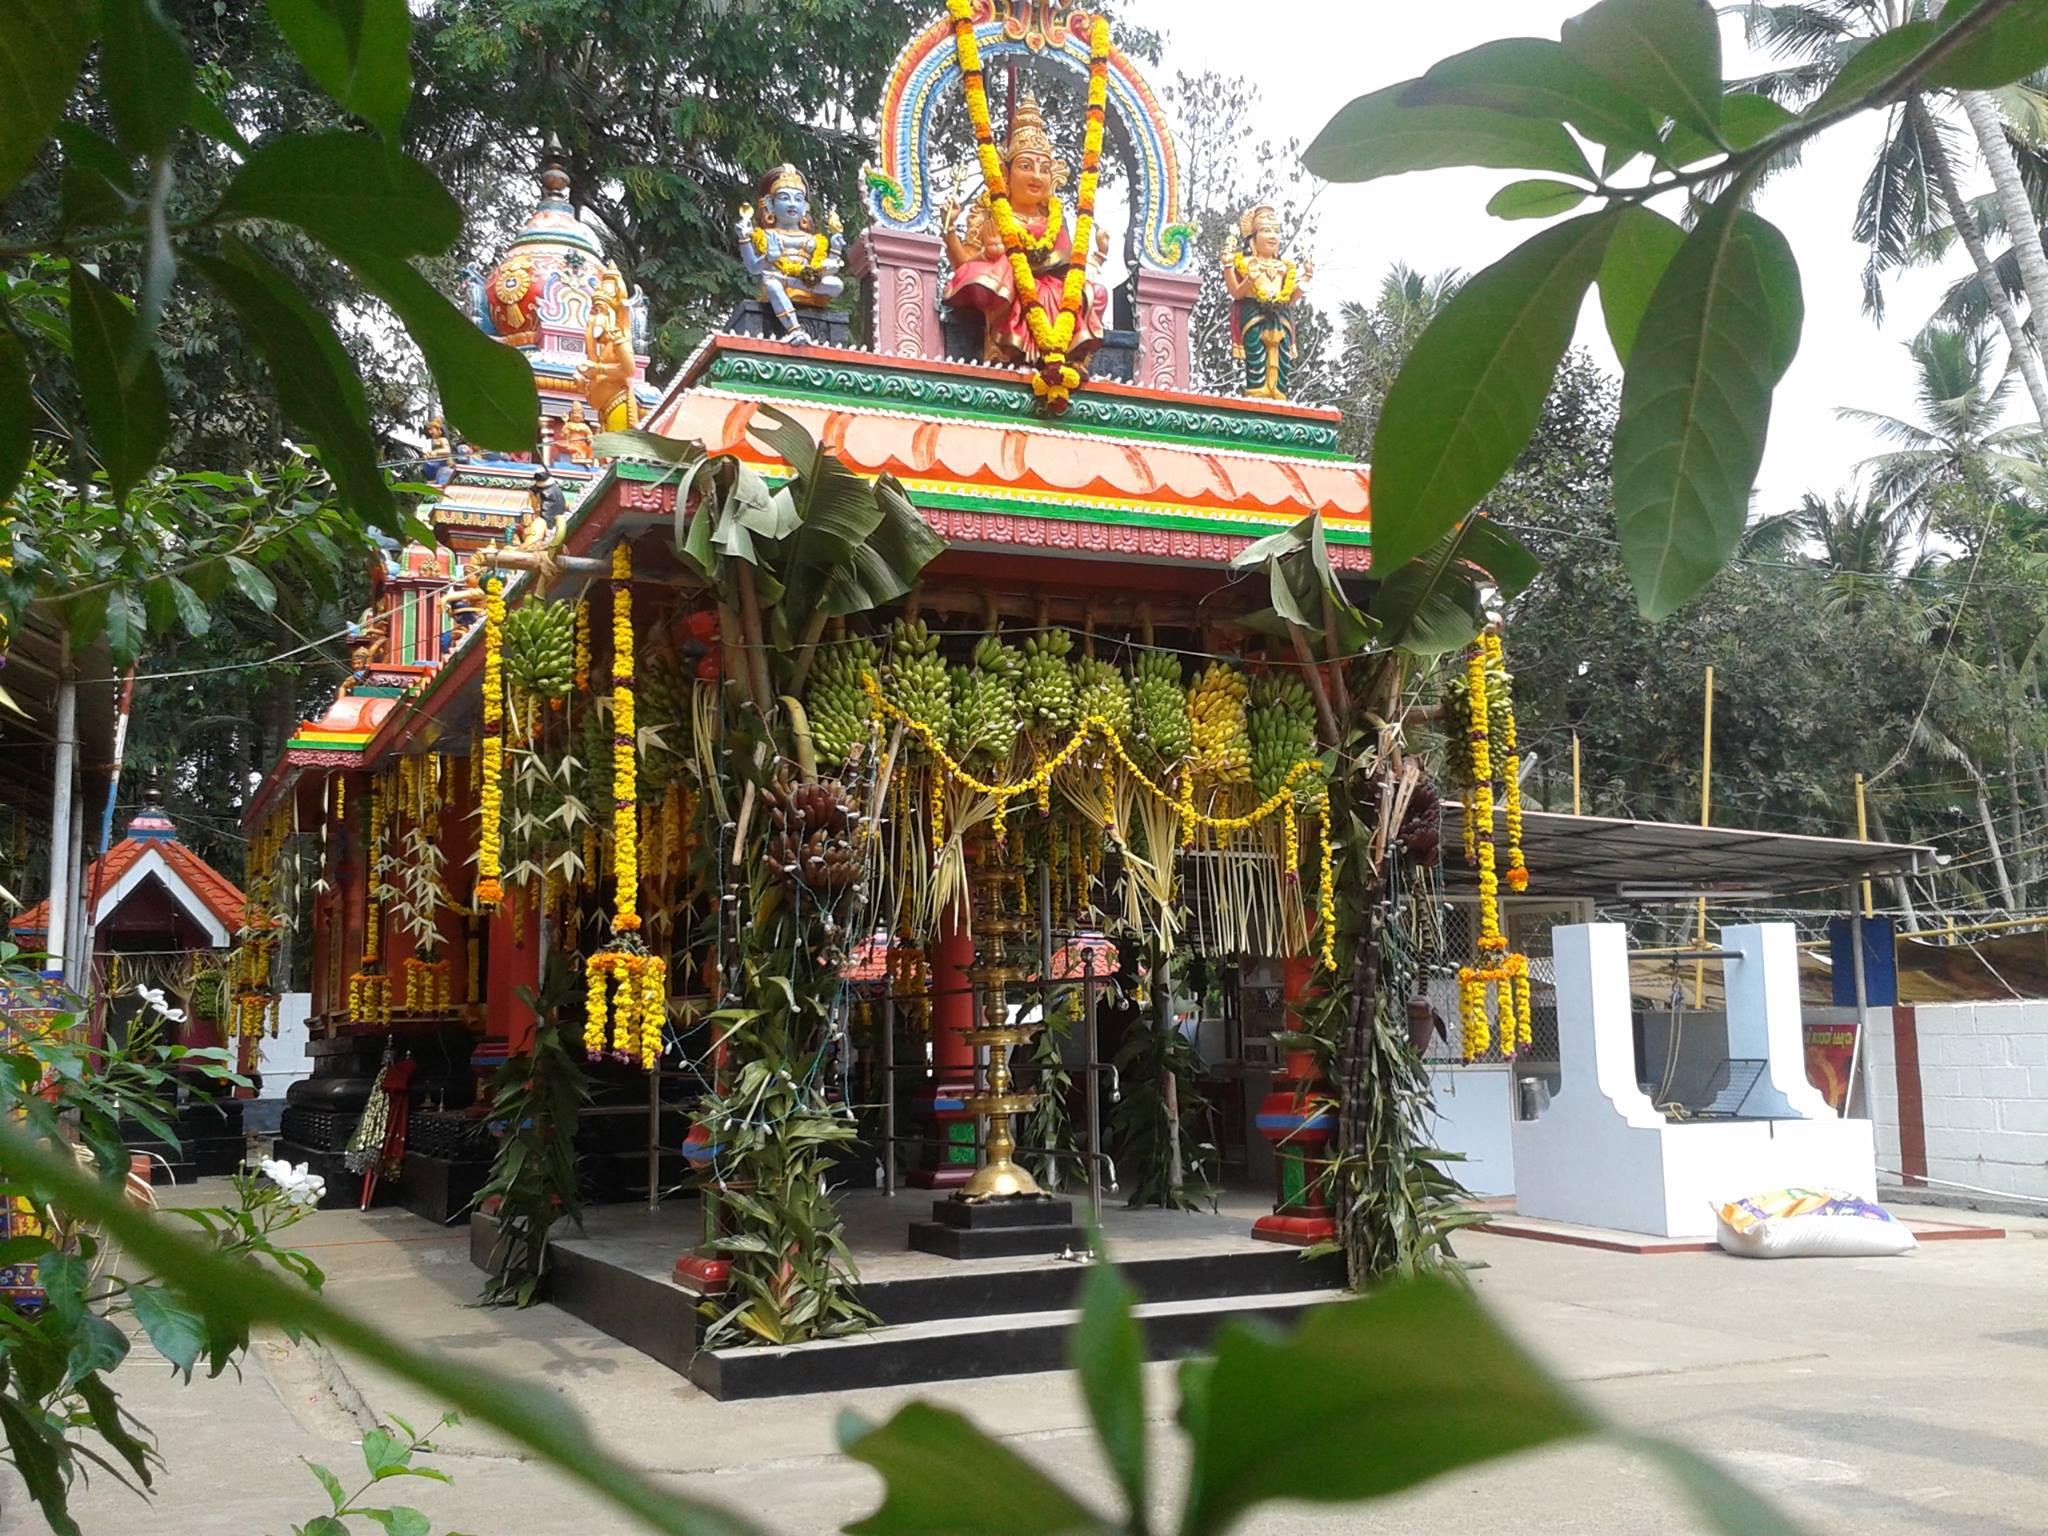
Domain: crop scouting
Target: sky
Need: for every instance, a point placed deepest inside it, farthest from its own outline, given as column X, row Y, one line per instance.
column 1437, row 219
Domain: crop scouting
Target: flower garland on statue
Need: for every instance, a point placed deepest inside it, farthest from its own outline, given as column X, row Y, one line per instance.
column 490, row 842
column 793, row 266
column 1282, row 293
column 1056, row 378
column 1498, row 968
column 637, row 981
column 1038, row 784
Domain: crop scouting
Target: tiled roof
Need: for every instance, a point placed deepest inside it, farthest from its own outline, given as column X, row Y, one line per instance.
column 208, row 886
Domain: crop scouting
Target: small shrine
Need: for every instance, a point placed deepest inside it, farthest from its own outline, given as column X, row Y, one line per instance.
column 889, row 724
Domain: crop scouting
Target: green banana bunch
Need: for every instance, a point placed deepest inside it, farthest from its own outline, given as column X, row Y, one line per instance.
column 837, row 703
column 540, row 648
column 984, row 712
column 1100, row 691
column 991, row 655
column 661, row 702
column 1216, row 710
column 1159, row 708
column 1046, row 694
column 1282, row 731
column 915, row 678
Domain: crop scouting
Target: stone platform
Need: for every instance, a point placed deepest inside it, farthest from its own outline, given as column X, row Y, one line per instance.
column 941, row 1319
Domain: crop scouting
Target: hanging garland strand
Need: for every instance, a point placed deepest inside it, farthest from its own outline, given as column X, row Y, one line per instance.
column 1501, row 705
column 1056, row 378
column 1281, row 801
column 490, row 840
column 1497, row 968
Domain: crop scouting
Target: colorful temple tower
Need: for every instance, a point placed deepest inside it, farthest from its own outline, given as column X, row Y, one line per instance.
column 1074, row 481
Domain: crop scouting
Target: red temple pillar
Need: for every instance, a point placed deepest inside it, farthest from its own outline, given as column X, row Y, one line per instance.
column 1299, row 1117
column 511, row 961
column 950, row 1149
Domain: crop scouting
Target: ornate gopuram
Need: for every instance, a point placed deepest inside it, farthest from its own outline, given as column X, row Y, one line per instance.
column 816, row 741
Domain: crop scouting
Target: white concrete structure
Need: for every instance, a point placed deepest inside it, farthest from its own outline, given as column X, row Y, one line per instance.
column 1475, row 1119
column 283, row 1061
column 1601, row 1154
column 1960, row 1094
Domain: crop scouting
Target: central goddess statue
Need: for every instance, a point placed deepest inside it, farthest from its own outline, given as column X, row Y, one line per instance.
column 983, row 277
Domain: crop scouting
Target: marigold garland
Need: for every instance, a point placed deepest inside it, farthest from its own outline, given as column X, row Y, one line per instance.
column 1500, row 972
column 793, row 266
column 625, row 736
column 1511, row 760
column 1056, row 378
column 490, row 843
column 1290, row 281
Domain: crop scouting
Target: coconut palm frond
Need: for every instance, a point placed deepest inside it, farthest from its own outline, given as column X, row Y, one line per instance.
column 1892, row 429
column 1795, row 31
column 1897, row 202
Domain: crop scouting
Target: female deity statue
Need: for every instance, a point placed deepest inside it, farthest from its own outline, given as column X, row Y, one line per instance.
column 606, row 373
column 983, row 277
column 1263, row 285
column 782, row 247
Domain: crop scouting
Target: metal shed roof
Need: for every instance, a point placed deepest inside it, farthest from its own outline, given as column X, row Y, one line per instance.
column 1610, row 858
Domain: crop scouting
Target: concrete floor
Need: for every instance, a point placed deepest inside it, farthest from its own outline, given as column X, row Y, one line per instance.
column 1874, row 1395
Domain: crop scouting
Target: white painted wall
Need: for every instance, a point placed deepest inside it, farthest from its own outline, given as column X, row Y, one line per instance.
column 1983, row 1093
column 283, row 1061
column 1474, row 1115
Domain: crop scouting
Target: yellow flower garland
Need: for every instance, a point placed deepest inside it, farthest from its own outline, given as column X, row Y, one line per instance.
column 793, row 266
column 1284, row 294
column 1056, row 378
column 1511, row 766
column 489, row 848
column 1507, row 972
column 625, row 736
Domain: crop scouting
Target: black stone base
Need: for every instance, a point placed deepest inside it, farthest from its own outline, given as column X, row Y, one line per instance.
column 440, row 1188
column 998, row 1229
column 833, row 327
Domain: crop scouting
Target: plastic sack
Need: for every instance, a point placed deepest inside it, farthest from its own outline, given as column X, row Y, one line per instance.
column 1810, row 1223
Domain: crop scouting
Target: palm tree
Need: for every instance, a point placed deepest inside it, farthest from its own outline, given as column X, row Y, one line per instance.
column 1962, row 394
column 1912, row 187
column 1863, row 543
column 1376, row 339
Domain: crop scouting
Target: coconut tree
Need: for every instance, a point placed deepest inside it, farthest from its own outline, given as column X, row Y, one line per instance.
column 1912, row 187
column 1962, row 393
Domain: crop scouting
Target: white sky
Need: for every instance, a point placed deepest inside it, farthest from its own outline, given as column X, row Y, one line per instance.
column 1437, row 219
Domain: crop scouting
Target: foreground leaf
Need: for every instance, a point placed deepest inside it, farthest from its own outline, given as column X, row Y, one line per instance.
column 1383, row 135
column 1639, row 250
column 1720, row 1496
column 487, row 388
column 235, row 1296
column 1665, row 54
column 1108, row 1354
column 148, row 88
column 119, row 380
column 1718, row 334
column 943, row 1476
column 1538, row 199
column 1469, row 396
column 349, row 191
column 1873, row 63
column 357, row 50
column 2009, row 47
column 316, row 382
column 1363, row 1400
column 42, row 46
column 1433, row 604
column 1535, row 77
column 178, row 1332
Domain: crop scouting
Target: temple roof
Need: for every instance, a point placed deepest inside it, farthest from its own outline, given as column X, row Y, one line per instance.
column 151, row 848
column 1126, row 470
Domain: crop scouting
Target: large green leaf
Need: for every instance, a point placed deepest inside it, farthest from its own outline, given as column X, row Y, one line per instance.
column 651, row 446
column 1536, row 199
column 1382, row 135
column 486, row 387
column 1108, row 1354
column 887, row 563
column 42, row 45
column 178, row 1332
column 1665, row 54
column 1639, row 250
column 35, row 1447
column 104, row 1409
column 235, row 1296
column 357, row 51
column 1716, row 1493
column 942, row 1476
column 148, row 87
column 16, row 406
column 349, row 191
column 2009, row 47
column 1364, row 1400
column 1433, row 604
column 1871, row 63
column 1718, row 334
column 1467, row 399
column 97, row 184
column 118, row 380
column 316, row 383
column 1535, row 77
column 1746, row 117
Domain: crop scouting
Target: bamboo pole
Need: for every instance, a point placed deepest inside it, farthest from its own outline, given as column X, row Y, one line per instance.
column 1863, row 836
column 1576, row 810
column 1699, row 967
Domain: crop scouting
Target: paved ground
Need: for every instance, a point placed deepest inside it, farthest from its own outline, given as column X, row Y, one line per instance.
column 1873, row 1396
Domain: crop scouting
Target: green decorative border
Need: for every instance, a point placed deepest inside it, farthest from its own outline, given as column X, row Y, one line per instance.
column 877, row 384
column 1117, row 517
